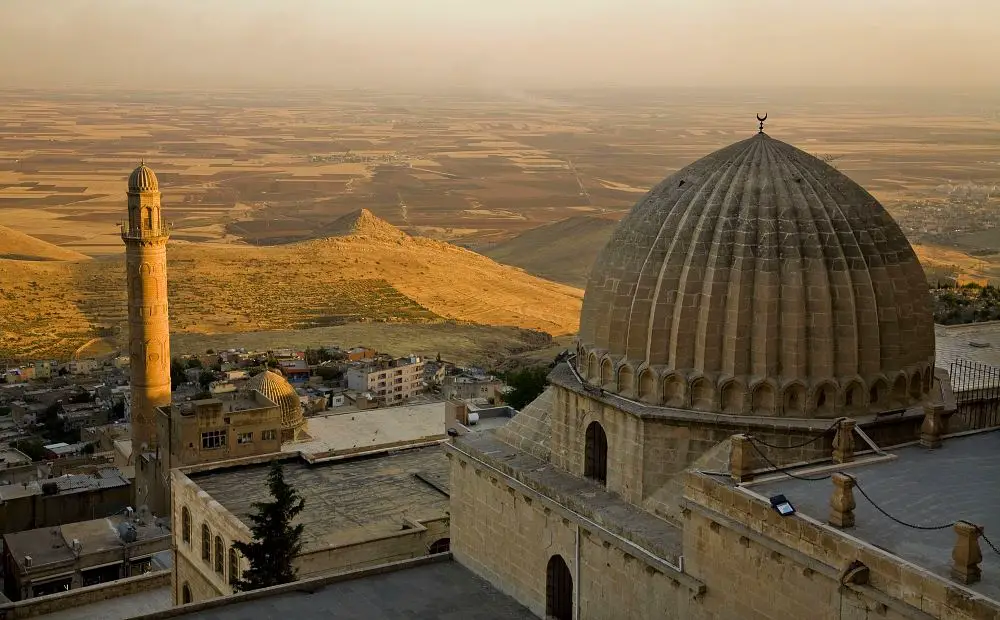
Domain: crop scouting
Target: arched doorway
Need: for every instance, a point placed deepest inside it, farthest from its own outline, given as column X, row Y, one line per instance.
column 558, row 590
column 185, row 594
column 441, row 545
column 595, row 461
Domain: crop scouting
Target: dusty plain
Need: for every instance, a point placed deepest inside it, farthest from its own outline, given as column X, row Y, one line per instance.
column 256, row 186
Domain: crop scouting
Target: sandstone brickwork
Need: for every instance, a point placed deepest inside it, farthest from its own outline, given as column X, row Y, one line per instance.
column 145, row 235
column 759, row 280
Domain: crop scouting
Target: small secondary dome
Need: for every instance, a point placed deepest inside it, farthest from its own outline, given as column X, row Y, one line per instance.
column 143, row 179
column 759, row 280
column 277, row 389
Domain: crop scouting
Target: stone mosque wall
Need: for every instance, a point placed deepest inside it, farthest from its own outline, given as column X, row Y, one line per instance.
column 740, row 566
column 508, row 538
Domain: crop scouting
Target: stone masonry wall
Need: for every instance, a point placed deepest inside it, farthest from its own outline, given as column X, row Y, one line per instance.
column 508, row 537
column 402, row 545
column 572, row 415
column 200, row 575
column 792, row 570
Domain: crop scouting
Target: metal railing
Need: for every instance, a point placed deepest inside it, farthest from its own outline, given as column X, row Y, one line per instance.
column 977, row 394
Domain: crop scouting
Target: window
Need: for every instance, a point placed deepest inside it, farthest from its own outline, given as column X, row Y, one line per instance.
column 244, row 438
column 186, row 525
column 206, row 543
column 213, row 439
column 270, row 435
column 234, row 566
column 220, row 565
column 185, row 594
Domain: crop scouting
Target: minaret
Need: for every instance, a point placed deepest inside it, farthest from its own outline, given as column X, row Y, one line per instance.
column 145, row 236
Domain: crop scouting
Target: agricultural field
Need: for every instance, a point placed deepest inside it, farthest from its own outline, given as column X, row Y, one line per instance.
column 258, row 187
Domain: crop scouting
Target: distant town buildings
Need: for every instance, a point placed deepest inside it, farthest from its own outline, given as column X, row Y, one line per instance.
column 390, row 381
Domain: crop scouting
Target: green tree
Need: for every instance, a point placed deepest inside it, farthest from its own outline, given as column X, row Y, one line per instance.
column 194, row 362
column 177, row 376
column 206, row 377
column 329, row 373
column 276, row 541
column 526, row 384
column 32, row 447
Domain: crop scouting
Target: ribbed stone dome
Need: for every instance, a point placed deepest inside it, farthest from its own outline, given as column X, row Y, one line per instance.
column 143, row 179
column 277, row 389
column 759, row 280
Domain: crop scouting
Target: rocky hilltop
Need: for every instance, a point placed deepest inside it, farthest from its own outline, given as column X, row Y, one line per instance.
column 364, row 270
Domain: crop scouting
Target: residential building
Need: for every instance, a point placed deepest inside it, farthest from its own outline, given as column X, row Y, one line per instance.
column 234, row 425
column 361, row 354
column 389, row 382
column 468, row 386
column 58, row 559
column 68, row 498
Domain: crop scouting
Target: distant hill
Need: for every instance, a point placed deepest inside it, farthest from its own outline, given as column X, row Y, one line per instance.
column 562, row 251
column 366, row 270
column 15, row 245
column 361, row 223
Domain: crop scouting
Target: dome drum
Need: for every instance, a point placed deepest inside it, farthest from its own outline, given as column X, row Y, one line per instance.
column 659, row 386
column 759, row 280
column 143, row 179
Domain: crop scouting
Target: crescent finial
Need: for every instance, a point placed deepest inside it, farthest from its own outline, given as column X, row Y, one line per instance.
column 761, row 119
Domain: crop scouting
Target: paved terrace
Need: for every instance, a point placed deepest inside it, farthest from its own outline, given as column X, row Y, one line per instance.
column 346, row 500
column 442, row 590
column 338, row 433
column 959, row 481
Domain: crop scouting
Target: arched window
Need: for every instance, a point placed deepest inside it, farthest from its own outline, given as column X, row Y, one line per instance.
column 234, row 566
column 595, row 464
column 185, row 594
column 206, row 543
column 148, row 217
column 220, row 563
column 441, row 545
column 186, row 525
column 558, row 590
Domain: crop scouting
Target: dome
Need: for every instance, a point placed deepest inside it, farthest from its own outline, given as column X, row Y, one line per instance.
column 143, row 179
column 759, row 280
column 278, row 390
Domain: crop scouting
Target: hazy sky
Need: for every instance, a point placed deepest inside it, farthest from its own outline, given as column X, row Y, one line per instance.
column 503, row 43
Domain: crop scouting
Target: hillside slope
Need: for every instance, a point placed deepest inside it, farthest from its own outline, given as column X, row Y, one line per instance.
column 372, row 272
column 562, row 251
column 15, row 245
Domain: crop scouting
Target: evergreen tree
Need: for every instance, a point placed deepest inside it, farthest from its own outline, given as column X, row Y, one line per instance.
column 275, row 540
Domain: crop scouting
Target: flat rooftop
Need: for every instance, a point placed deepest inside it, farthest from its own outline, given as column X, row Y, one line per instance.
column 442, row 590
column 118, row 608
column 356, row 430
column 50, row 545
column 973, row 342
column 346, row 500
column 958, row 481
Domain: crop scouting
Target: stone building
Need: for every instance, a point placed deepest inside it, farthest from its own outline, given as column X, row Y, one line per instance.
column 361, row 510
column 76, row 555
column 251, row 422
column 755, row 310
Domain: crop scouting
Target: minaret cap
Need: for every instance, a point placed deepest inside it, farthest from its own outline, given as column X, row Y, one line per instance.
column 143, row 179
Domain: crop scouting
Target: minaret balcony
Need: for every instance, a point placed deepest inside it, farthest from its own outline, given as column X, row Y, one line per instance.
column 130, row 232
